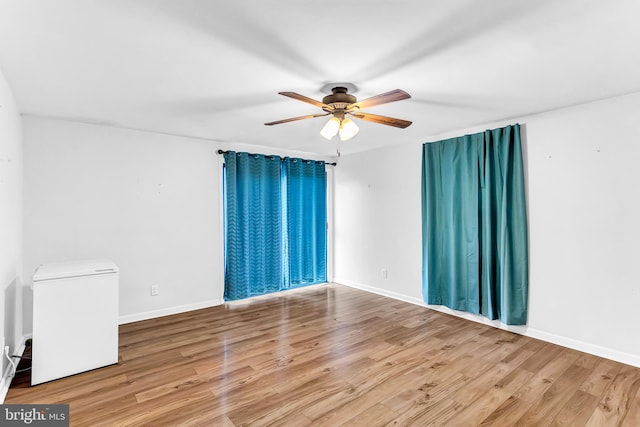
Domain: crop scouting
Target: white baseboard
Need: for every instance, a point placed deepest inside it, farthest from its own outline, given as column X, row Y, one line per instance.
column 8, row 374
column 586, row 347
column 130, row 318
column 597, row 350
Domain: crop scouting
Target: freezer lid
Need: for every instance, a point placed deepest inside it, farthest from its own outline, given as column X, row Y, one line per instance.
column 62, row 270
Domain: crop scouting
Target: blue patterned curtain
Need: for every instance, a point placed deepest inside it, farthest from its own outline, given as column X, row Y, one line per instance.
column 474, row 225
column 306, row 211
column 275, row 224
column 253, row 224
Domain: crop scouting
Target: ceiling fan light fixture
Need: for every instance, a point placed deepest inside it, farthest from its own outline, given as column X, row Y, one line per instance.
column 348, row 129
column 340, row 104
column 331, row 128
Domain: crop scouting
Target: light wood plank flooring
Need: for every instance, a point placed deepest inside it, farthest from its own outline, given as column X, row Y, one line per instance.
column 331, row 356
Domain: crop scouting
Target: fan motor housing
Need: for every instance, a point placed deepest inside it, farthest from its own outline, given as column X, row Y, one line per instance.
column 339, row 95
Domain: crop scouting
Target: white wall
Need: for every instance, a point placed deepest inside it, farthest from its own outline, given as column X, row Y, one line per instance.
column 584, row 224
column 377, row 220
column 10, row 221
column 149, row 202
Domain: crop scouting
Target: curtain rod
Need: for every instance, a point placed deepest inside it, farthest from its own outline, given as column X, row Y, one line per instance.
column 225, row 152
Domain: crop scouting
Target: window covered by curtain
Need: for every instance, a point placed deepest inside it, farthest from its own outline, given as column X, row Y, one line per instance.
column 306, row 211
column 474, row 227
column 253, row 225
column 275, row 224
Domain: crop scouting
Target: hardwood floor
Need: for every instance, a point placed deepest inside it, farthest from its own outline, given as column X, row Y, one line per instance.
column 331, row 356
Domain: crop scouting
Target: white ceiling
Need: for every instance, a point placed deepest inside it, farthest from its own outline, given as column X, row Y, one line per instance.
column 212, row 69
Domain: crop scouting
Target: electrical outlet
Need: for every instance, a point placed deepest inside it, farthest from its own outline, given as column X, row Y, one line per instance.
column 384, row 273
column 154, row 290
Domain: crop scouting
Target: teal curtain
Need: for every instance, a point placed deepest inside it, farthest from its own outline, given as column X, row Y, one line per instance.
column 474, row 226
column 253, row 225
column 306, row 212
column 275, row 224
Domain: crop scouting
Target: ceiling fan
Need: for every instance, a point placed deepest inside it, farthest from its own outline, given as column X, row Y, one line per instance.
column 341, row 104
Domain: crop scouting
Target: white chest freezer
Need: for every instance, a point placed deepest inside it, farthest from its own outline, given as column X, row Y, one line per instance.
column 75, row 318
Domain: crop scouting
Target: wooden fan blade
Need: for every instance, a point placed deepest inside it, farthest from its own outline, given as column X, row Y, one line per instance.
column 383, row 120
column 383, row 98
column 305, row 99
column 293, row 119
